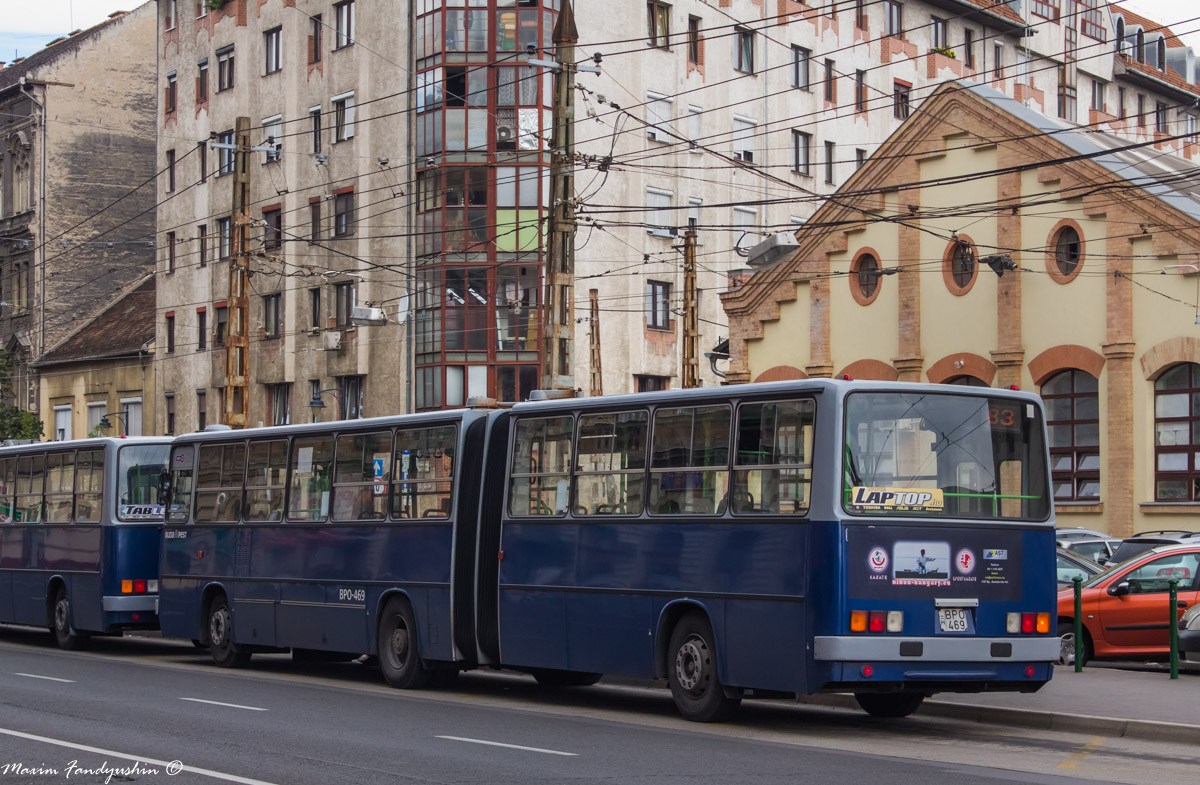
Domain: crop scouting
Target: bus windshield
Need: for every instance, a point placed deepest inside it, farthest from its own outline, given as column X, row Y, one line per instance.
column 944, row 455
column 139, row 468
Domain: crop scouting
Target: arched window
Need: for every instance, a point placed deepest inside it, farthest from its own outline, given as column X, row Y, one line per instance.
column 865, row 278
column 1073, row 419
column 1162, row 54
column 966, row 381
column 1120, row 36
column 959, row 267
column 1176, row 431
column 1140, row 51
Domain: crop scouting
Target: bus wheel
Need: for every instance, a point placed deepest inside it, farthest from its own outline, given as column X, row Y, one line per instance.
column 548, row 677
column 397, row 643
column 225, row 653
column 889, row 705
column 692, row 672
column 64, row 636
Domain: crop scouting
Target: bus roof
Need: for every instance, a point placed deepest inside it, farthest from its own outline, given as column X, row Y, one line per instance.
column 365, row 423
column 76, row 444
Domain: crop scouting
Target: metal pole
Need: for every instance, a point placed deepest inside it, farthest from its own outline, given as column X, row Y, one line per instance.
column 1078, row 581
column 597, row 386
column 1174, row 628
column 690, row 371
column 558, row 314
column 237, row 351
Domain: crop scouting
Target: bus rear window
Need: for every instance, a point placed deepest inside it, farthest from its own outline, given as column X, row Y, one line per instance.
column 139, row 468
column 945, row 455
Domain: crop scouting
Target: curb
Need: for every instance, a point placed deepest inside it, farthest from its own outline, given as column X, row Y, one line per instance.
column 1042, row 720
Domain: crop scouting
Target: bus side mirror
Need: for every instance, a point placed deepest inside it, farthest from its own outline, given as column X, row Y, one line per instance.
column 164, row 486
column 1120, row 590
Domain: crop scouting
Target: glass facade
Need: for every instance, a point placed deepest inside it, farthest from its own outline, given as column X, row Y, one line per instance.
column 483, row 132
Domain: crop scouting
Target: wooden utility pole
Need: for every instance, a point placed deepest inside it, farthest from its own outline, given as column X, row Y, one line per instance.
column 237, row 342
column 690, row 370
column 558, row 311
column 597, row 387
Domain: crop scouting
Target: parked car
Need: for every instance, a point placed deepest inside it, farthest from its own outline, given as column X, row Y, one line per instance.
column 1125, row 613
column 1098, row 549
column 1071, row 565
column 1189, row 635
column 1144, row 541
column 1075, row 533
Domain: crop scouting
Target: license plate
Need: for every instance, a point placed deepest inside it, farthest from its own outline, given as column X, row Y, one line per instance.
column 953, row 619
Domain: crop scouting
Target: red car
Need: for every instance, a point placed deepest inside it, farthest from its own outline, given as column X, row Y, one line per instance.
column 1125, row 613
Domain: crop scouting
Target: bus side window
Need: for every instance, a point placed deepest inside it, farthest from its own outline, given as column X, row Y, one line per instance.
column 611, row 474
column 775, row 439
column 312, row 466
column 266, row 478
column 60, row 485
column 540, row 467
column 360, row 478
column 89, row 486
column 423, row 473
column 7, row 490
column 689, row 468
column 219, row 482
column 31, row 473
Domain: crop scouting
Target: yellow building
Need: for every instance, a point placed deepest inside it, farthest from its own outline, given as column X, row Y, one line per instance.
column 1096, row 241
column 104, row 369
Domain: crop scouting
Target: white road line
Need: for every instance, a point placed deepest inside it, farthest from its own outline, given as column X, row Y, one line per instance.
column 47, row 678
column 228, row 705
column 171, row 767
column 509, row 746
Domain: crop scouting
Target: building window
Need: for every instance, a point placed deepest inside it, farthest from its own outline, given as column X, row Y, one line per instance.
column 800, row 61
column 224, row 237
column 169, row 15
column 170, row 333
column 343, row 297
column 343, row 117
column 1092, row 21
column 344, row 14
column 201, row 246
column 743, row 55
column 1141, row 111
column 170, row 100
column 222, row 325
column 273, row 128
column 658, row 24
column 969, row 48
column 865, row 276
column 1047, row 9
column 1097, row 95
column 170, row 407
column 170, row 171
column 744, row 131
column 646, row 383
column 315, row 35
column 201, row 410
column 901, row 93
column 659, row 218
column 201, row 330
column 1160, row 117
column 1067, row 94
column 281, row 404
column 745, row 227
column 938, row 33
column 1066, row 248
column 830, row 92
column 314, row 308
column 894, row 23
column 860, row 158
column 273, row 47
column 170, row 252
column 958, row 267
column 314, row 116
column 658, row 113
column 343, row 214
column 314, row 220
column 801, row 152
column 351, row 397
column 202, row 149
column 658, row 305
column 830, row 151
column 1176, row 419
column 860, row 91
column 695, row 118
column 272, row 315
column 1121, row 103
column 272, row 229
column 693, row 218
column 693, row 40
column 1191, row 127
column 860, row 14
column 224, row 69
column 1073, row 423
column 202, row 81
column 225, row 154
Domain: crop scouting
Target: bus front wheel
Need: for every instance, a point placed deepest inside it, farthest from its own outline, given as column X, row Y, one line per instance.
column 692, row 672
column 64, row 636
column 397, row 643
column 225, row 653
column 889, row 705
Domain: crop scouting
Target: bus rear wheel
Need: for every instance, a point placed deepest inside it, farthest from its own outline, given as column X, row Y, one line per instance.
column 889, row 705
column 399, row 658
column 692, row 672
column 225, row 653
column 65, row 637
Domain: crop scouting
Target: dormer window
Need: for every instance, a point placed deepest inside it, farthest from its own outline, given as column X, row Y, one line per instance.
column 1120, row 36
column 1140, row 50
column 1162, row 53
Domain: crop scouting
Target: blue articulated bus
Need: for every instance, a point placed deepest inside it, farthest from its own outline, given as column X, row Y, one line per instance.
column 885, row 540
column 80, row 523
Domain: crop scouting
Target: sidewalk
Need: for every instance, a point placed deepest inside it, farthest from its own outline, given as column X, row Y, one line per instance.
column 1121, row 699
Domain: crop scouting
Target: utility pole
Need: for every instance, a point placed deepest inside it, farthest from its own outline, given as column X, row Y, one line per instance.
column 237, row 342
column 558, row 320
column 597, row 387
column 690, row 371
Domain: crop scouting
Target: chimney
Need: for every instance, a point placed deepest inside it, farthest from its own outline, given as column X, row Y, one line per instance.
column 737, row 277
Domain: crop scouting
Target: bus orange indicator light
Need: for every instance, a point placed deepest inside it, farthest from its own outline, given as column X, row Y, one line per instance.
column 858, row 621
column 127, row 587
column 1043, row 622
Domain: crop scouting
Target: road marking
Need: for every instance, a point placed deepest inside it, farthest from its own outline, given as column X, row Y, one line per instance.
column 1087, row 749
column 509, row 746
column 228, row 705
column 171, row 767
column 47, row 678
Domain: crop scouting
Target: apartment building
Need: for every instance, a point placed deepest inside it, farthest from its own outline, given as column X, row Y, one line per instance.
column 735, row 118
column 76, row 135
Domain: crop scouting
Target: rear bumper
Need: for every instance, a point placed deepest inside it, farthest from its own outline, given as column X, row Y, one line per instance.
column 861, row 648
column 124, row 603
column 1189, row 641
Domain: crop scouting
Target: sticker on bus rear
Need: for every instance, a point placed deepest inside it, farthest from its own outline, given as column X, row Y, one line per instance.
column 898, row 499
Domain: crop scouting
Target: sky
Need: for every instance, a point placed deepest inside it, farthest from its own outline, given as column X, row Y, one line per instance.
column 27, row 26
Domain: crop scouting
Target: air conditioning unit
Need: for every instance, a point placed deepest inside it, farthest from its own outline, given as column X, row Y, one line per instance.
column 333, row 340
column 364, row 316
column 665, row 231
column 505, row 133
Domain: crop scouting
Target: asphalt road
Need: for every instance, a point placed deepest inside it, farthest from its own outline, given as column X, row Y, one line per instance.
column 144, row 710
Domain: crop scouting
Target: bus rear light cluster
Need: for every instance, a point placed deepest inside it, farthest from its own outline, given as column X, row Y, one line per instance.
column 139, row 586
column 1027, row 623
column 876, row 621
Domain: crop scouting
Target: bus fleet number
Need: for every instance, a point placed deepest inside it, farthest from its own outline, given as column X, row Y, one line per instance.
column 352, row 595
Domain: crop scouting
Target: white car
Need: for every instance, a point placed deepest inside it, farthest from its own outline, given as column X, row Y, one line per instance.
column 1189, row 635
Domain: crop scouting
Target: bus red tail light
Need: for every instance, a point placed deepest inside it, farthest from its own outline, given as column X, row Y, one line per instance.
column 1028, row 622
column 1029, row 670
column 867, row 671
column 877, row 621
column 139, row 587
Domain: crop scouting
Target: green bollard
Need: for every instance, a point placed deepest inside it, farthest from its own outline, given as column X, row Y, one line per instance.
column 1174, row 584
column 1078, row 581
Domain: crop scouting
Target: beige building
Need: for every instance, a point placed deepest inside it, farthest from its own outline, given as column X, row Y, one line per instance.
column 76, row 188
column 1097, row 240
column 103, row 372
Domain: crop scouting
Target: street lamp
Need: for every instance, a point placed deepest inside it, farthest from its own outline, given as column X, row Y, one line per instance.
column 316, row 404
column 105, row 424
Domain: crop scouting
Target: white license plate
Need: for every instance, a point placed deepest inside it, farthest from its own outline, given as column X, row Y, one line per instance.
column 953, row 619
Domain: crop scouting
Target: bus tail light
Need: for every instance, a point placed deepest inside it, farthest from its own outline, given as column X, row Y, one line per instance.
column 876, row 621
column 858, row 621
column 152, row 587
column 1028, row 622
column 127, row 587
column 1029, row 670
column 867, row 671
column 895, row 621
column 139, row 587
column 1043, row 623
